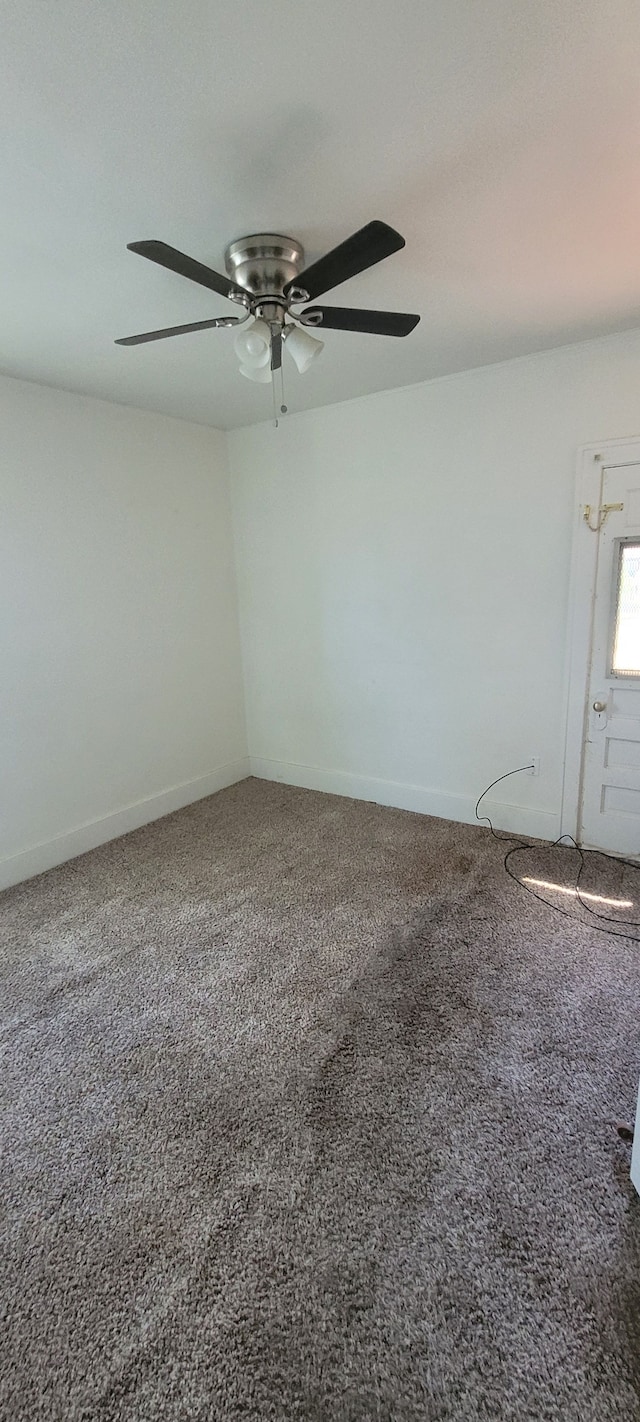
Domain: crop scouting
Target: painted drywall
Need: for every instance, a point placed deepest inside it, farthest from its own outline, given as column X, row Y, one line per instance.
column 121, row 678
column 403, row 566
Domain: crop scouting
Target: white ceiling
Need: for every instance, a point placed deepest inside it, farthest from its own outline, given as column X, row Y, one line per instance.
column 501, row 137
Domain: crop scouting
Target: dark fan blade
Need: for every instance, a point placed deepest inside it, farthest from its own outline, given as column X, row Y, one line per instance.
column 360, row 251
column 276, row 350
column 177, row 331
column 375, row 323
column 167, row 256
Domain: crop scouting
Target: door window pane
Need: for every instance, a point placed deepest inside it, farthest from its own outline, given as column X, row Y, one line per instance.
column 626, row 637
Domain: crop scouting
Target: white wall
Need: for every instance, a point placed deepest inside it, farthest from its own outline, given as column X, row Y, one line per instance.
column 403, row 573
column 120, row 673
column 403, row 566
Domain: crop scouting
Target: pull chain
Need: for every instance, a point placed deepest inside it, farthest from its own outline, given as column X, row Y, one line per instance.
column 278, row 374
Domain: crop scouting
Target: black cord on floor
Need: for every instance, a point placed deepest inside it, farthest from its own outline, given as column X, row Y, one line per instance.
column 565, row 841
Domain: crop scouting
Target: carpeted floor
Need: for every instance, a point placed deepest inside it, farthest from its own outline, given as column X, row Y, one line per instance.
column 307, row 1113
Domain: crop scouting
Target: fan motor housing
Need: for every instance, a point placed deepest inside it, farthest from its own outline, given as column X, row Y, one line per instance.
column 264, row 263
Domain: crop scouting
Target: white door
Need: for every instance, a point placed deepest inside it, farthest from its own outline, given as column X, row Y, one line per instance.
column 610, row 808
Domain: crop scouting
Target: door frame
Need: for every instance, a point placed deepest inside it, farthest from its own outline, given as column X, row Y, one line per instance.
column 592, row 461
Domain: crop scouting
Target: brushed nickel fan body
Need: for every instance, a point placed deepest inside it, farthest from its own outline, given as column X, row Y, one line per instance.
column 264, row 263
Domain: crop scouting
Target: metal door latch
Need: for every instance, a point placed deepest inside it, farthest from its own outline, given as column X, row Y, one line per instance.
column 601, row 515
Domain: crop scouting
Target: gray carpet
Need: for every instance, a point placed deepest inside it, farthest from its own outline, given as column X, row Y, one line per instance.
column 308, row 1113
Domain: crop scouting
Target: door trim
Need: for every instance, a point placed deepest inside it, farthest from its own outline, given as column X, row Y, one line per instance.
column 592, row 461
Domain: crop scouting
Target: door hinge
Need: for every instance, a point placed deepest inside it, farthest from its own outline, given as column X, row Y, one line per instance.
column 601, row 515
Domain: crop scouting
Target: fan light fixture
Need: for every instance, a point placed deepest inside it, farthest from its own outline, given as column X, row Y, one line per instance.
column 303, row 347
column 266, row 276
column 253, row 345
column 260, row 373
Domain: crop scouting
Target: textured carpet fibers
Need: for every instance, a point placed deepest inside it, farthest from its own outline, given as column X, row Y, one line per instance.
column 309, row 1112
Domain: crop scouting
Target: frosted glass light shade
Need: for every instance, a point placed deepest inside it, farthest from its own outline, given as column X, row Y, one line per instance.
column 302, row 347
column 260, row 373
column 252, row 344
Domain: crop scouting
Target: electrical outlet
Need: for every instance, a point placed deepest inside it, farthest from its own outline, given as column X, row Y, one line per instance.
column 535, row 765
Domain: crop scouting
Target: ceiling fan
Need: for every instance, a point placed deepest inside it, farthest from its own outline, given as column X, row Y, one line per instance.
column 266, row 277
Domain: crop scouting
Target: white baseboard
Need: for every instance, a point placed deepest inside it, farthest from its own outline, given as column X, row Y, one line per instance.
column 95, row 832
column 517, row 819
